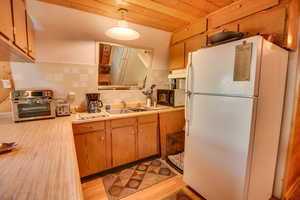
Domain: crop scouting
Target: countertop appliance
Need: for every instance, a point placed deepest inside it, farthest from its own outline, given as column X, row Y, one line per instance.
column 32, row 104
column 172, row 97
column 235, row 95
column 63, row 109
column 94, row 104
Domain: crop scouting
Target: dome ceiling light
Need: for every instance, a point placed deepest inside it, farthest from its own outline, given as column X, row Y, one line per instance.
column 122, row 32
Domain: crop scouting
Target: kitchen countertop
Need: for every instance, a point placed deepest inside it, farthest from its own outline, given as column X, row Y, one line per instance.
column 44, row 165
column 160, row 109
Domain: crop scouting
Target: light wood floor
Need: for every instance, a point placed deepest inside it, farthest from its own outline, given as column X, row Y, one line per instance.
column 94, row 190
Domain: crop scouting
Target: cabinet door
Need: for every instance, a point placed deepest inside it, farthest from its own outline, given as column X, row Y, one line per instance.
column 123, row 145
column 20, row 24
column 6, row 23
column 177, row 56
column 194, row 44
column 91, row 152
column 263, row 23
column 147, row 140
column 31, row 37
column 169, row 123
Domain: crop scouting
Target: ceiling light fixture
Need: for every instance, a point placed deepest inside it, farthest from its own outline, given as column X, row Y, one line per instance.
column 122, row 32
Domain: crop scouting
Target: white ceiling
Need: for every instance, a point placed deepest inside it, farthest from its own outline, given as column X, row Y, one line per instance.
column 64, row 23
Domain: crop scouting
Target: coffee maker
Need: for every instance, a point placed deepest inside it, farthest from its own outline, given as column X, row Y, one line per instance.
column 94, row 104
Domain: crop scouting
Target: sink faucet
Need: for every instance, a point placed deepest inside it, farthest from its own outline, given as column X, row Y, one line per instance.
column 148, row 93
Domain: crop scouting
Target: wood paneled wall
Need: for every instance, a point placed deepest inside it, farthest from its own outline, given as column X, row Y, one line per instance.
column 276, row 17
column 292, row 177
column 5, row 73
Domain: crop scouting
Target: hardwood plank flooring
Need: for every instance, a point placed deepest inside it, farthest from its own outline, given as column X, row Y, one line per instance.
column 94, row 190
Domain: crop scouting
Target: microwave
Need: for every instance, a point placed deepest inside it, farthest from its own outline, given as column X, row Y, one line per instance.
column 175, row 97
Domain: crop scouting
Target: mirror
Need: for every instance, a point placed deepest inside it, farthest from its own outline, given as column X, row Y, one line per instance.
column 122, row 67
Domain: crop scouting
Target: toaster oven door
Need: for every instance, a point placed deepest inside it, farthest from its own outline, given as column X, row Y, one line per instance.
column 27, row 111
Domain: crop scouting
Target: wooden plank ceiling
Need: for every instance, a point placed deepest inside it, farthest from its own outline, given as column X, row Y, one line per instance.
column 168, row 15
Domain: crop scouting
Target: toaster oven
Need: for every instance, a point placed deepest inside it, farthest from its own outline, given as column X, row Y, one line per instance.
column 32, row 104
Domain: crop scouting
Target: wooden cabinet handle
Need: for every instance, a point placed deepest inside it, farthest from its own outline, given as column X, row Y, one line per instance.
column 238, row 5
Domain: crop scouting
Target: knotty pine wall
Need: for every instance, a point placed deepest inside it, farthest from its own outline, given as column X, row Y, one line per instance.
column 5, row 73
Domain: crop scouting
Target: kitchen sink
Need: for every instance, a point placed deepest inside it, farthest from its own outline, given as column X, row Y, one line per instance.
column 128, row 110
column 139, row 109
column 119, row 111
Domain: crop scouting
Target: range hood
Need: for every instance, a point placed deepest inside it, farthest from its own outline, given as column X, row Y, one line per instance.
column 180, row 73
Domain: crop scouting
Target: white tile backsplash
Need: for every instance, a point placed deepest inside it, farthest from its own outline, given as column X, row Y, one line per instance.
column 81, row 79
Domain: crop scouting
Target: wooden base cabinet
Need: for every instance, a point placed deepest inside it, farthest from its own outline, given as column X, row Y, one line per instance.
column 91, row 152
column 123, row 145
column 170, row 123
column 91, row 147
column 105, row 144
column 147, row 136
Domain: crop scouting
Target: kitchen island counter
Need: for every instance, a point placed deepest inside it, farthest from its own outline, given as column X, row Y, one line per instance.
column 44, row 164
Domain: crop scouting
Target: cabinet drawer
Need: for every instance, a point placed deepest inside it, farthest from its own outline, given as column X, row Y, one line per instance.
column 88, row 127
column 147, row 119
column 123, row 122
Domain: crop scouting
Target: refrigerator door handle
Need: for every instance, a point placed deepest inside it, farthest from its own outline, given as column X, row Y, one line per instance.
column 189, row 71
column 186, row 112
column 189, row 110
column 189, row 82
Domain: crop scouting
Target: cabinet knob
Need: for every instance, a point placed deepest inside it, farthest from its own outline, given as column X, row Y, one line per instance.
column 238, row 5
column 102, row 138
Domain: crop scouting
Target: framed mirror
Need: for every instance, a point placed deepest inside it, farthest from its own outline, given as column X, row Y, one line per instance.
column 122, row 67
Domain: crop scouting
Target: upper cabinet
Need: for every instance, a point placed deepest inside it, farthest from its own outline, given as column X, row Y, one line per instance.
column 31, row 38
column 16, row 32
column 193, row 44
column 179, row 52
column 275, row 18
column 6, row 20
column 237, row 10
column 189, row 31
column 177, row 56
column 20, row 28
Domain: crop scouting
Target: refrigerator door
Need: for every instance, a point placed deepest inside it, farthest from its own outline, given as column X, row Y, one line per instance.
column 218, row 145
column 212, row 70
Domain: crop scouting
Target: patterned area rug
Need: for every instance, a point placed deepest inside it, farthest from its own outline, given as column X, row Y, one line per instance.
column 128, row 181
column 179, row 195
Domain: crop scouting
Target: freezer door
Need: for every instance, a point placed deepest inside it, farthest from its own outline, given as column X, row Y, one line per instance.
column 212, row 70
column 217, row 149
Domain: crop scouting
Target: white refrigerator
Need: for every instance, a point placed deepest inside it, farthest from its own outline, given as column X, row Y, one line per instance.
column 234, row 103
